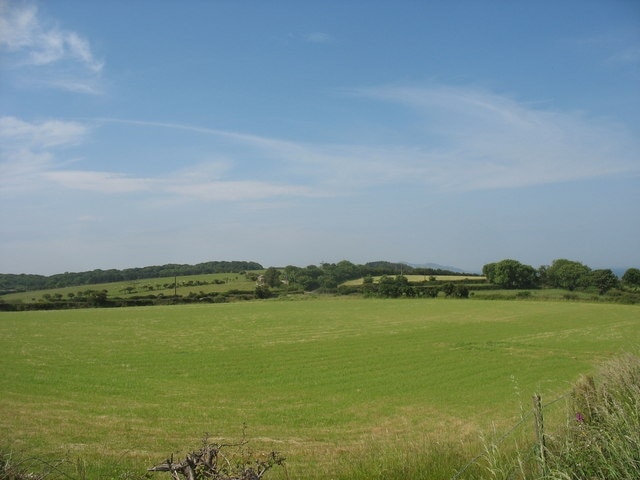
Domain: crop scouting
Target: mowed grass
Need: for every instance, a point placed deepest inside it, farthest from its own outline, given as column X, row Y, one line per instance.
column 318, row 380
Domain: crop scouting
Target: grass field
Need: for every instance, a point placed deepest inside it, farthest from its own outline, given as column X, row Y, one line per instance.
column 318, row 380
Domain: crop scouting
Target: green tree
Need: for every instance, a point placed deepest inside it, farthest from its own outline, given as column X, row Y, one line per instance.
column 567, row 274
column 510, row 273
column 488, row 271
column 345, row 270
column 603, row 279
column 387, row 287
column 272, row 277
column 328, row 282
column 631, row 278
column 368, row 287
column 290, row 274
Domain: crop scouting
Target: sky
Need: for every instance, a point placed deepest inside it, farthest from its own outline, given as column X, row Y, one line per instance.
column 299, row 132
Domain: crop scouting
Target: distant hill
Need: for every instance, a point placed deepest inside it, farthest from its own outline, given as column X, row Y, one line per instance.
column 395, row 268
column 436, row 266
column 24, row 282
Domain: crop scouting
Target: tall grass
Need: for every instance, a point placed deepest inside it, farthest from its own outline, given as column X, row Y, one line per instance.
column 602, row 436
column 598, row 440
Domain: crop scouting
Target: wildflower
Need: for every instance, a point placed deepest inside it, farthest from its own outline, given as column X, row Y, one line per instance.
column 579, row 417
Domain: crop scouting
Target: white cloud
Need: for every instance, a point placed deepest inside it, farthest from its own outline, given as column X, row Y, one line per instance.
column 17, row 25
column 33, row 42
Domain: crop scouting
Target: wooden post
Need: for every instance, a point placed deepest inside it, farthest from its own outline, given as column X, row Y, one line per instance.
column 539, row 425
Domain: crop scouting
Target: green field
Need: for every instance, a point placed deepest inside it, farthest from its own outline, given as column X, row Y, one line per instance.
column 315, row 379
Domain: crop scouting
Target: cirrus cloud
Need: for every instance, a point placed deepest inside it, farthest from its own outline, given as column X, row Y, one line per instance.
column 64, row 58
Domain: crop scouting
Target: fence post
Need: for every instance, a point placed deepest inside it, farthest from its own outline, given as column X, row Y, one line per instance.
column 539, row 425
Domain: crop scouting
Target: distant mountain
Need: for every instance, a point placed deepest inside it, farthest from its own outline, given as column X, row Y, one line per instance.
column 619, row 271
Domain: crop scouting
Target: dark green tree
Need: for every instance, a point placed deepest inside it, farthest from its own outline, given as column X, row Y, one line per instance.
column 387, row 287
column 603, row 279
column 272, row 277
column 510, row 273
column 345, row 270
column 567, row 274
column 368, row 287
column 631, row 278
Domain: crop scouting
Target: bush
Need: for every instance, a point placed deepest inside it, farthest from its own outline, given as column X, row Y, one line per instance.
column 262, row 291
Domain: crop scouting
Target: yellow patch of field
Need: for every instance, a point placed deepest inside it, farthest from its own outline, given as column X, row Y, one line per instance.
column 424, row 278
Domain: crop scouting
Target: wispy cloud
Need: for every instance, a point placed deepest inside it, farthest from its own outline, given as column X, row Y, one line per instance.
column 629, row 55
column 318, row 37
column 30, row 162
column 615, row 49
column 488, row 140
column 48, row 133
column 473, row 139
column 236, row 190
column 64, row 58
column 28, row 149
column 101, row 182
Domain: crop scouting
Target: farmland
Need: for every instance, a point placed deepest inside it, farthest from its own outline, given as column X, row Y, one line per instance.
column 317, row 379
column 206, row 283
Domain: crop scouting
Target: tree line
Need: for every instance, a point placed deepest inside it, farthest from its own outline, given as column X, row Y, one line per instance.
column 328, row 276
column 562, row 273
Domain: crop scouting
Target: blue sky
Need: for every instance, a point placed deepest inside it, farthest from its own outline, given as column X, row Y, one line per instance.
column 460, row 133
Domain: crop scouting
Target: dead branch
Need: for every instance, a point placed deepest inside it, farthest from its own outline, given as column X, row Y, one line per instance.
column 210, row 463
